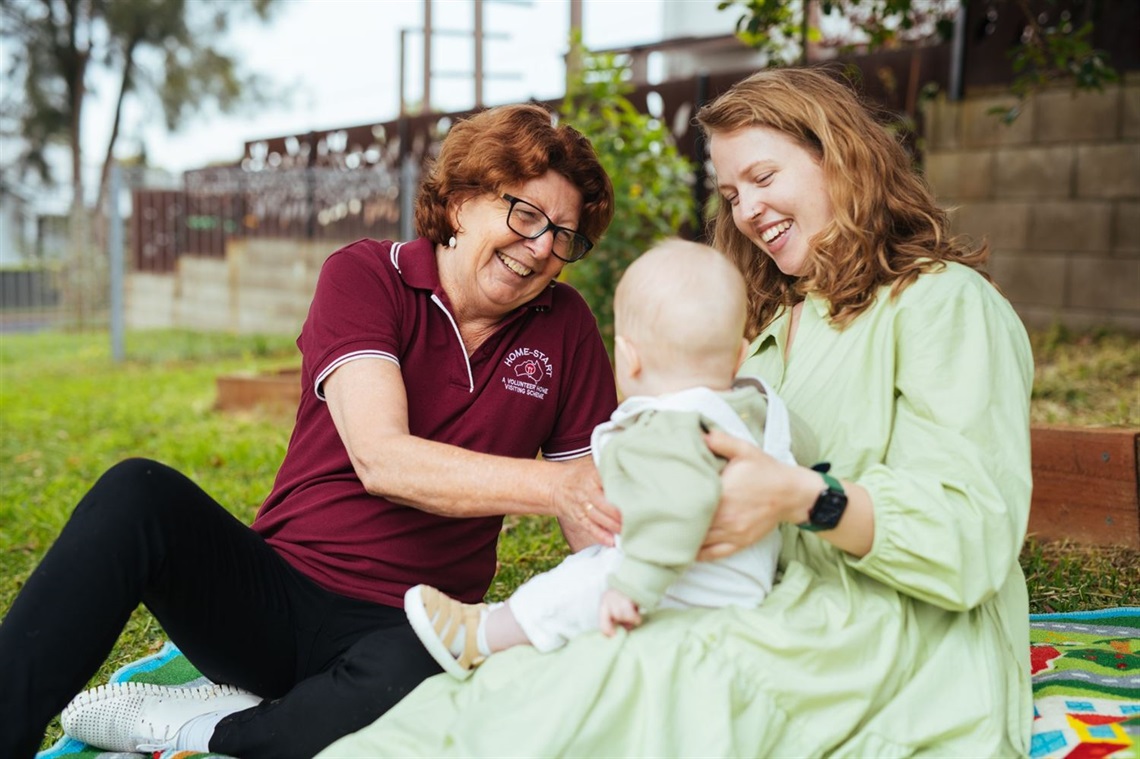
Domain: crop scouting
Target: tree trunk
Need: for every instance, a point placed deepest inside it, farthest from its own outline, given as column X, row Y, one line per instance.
column 78, row 227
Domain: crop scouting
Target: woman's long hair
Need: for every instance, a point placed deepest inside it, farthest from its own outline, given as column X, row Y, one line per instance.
column 887, row 228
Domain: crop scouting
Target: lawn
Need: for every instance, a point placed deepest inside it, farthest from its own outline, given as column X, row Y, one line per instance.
column 67, row 412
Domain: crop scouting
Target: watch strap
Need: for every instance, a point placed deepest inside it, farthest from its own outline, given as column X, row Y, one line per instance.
column 831, row 482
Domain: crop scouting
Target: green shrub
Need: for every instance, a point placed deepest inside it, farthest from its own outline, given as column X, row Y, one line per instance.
column 652, row 180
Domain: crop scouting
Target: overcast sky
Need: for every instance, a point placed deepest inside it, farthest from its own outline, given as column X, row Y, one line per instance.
column 339, row 59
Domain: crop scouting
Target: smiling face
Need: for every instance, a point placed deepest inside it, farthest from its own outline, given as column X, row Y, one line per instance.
column 492, row 270
column 777, row 192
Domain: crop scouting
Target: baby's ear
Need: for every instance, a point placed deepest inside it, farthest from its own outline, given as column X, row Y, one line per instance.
column 628, row 354
column 740, row 359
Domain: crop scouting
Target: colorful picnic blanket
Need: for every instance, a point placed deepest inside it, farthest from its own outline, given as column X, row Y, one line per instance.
column 1086, row 684
column 1086, row 687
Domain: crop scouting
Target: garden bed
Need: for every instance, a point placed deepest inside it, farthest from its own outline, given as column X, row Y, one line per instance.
column 280, row 388
column 1085, row 485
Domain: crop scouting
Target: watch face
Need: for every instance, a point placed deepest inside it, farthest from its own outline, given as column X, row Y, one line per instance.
column 828, row 509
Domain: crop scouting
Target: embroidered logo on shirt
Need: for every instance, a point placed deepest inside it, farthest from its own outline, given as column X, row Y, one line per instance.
column 529, row 369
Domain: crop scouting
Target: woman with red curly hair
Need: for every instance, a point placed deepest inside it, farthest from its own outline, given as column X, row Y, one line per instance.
column 434, row 373
column 899, row 625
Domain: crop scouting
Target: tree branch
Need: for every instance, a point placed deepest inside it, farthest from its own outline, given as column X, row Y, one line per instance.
column 124, row 87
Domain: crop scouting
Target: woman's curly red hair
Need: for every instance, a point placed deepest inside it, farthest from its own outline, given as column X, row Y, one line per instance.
column 504, row 146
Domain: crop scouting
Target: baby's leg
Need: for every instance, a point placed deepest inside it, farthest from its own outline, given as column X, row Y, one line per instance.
column 555, row 606
column 500, row 630
column 546, row 611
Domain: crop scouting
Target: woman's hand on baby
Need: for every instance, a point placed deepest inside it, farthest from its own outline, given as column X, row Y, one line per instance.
column 617, row 610
column 757, row 493
column 581, row 506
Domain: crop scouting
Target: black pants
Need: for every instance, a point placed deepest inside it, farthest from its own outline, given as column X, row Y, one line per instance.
column 325, row 664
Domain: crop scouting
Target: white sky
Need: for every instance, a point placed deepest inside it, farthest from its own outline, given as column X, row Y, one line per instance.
column 340, row 61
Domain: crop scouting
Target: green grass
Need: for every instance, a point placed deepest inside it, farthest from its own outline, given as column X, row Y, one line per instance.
column 67, row 412
column 1064, row 576
column 1090, row 379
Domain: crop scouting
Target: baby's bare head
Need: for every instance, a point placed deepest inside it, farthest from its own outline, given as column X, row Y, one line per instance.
column 684, row 306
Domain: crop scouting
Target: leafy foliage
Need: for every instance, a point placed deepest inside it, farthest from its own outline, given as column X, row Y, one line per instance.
column 782, row 28
column 1053, row 46
column 767, row 25
column 165, row 47
column 1054, row 49
column 651, row 179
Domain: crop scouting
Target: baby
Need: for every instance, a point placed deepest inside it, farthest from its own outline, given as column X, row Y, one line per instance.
column 679, row 313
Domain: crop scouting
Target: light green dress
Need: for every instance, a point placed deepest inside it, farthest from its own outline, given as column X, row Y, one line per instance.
column 920, row 647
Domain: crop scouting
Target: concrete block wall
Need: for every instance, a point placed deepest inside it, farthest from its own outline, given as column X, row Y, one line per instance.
column 1056, row 194
column 262, row 286
column 274, row 282
column 202, row 294
column 149, row 300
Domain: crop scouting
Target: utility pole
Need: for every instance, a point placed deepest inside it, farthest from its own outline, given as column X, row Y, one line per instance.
column 574, row 57
column 403, row 72
column 427, row 56
column 478, row 53
column 478, row 35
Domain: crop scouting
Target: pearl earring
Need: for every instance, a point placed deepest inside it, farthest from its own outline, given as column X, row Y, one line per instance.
column 451, row 242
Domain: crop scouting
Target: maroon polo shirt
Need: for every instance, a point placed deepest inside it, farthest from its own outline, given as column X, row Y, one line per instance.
column 541, row 382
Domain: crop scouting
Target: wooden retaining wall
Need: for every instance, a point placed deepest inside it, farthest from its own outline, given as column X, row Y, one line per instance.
column 1085, row 485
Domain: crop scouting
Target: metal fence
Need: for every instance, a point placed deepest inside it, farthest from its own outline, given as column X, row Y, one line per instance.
column 55, row 261
column 52, row 270
column 223, row 203
column 29, row 298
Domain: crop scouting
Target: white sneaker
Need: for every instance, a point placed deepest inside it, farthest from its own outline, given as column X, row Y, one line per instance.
column 145, row 717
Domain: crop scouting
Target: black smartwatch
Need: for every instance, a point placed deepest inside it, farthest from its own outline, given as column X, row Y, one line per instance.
column 830, row 504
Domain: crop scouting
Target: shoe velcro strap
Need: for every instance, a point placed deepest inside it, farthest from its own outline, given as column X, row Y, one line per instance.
column 448, row 617
column 471, row 656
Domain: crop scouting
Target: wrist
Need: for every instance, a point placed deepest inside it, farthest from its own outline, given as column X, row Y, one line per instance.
column 805, row 491
column 558, row 487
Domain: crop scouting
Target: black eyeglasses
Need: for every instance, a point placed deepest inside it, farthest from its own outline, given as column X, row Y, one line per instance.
column 527, row 220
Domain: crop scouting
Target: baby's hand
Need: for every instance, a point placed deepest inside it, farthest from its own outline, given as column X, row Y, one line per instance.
column 617, row 609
